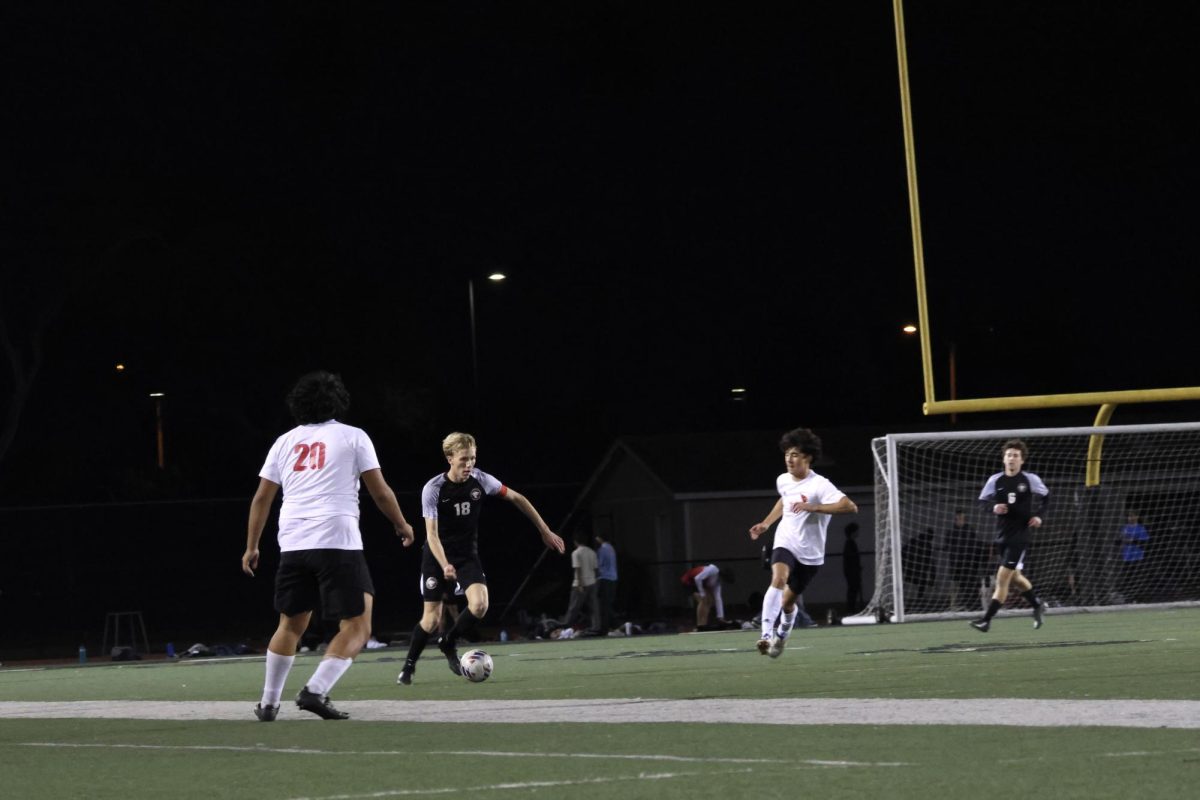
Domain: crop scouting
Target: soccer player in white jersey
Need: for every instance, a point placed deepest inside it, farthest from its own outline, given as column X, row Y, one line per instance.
column 318, row 464
column 806, row 500
column 451, row 504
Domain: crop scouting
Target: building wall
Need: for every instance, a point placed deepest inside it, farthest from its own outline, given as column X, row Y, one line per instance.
column 636, row 529
column 718, row 532
column 657, row 538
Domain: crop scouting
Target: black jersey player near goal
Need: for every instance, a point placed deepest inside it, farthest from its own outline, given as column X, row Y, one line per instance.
column 451, row 503
column 1019, row 499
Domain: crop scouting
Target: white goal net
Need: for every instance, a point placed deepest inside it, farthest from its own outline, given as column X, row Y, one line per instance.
column 1122, row 529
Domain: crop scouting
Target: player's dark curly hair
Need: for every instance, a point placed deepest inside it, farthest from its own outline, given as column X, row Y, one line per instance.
column 1016, row 444
column 803, row 440
column 318, row 396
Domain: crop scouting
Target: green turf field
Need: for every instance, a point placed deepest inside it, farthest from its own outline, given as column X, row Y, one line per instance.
column 550, row 702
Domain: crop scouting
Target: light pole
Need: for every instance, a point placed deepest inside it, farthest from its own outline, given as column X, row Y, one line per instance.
column 495, row 277
column 158, row 426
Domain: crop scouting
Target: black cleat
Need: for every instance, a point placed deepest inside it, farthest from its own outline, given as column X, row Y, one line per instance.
column 450, row 651
column 1037, row 615
column 319, row 705
column 267, row 714
column 406, row 674
column 981, row 624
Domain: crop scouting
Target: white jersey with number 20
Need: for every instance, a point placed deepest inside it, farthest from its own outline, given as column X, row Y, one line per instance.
column 318, row 467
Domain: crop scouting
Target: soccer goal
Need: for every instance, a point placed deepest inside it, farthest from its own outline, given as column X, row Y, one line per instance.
column 1123, row 527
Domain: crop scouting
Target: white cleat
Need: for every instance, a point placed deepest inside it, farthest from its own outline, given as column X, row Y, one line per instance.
column 764, row 644
column 775, row 647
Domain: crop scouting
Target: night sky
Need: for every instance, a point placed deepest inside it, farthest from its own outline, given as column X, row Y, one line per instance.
column 686, row 199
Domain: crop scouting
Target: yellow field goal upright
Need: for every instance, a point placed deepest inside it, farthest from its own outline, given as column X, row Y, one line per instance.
column 1107, row 401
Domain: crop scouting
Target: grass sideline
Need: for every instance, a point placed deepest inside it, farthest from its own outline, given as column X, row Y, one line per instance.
column 1132, row 656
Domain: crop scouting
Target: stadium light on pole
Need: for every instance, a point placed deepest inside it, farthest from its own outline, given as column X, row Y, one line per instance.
column 158, row 427
column 494, row 277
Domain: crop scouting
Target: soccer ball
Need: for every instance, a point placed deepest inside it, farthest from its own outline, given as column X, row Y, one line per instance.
column 476, row 666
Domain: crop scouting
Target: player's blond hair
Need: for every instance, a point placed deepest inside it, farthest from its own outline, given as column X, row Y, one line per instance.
column 457, row 441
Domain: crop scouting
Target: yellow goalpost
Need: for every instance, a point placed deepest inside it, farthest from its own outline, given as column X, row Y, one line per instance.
column 1108, row 401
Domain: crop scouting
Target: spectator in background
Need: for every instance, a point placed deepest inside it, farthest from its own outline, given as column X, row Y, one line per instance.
column 1134, row 539
column 705, row 585
column 606, row 580
column 965, row 565
column 919, row 570
column 584, row 592
column 852, row 569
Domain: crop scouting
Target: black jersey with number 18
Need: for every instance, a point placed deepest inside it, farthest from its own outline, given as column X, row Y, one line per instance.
column 457, row 507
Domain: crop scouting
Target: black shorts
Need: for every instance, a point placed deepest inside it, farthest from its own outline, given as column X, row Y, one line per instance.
column 435, row 587
column 1012, row 551
column 334, row 580
column 799, row 575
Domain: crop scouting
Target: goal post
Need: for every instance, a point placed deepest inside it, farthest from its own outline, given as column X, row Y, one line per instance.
column 1122, row 530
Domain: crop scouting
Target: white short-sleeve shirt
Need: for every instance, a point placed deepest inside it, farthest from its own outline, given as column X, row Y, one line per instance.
column 318, row 467
column 803, row 532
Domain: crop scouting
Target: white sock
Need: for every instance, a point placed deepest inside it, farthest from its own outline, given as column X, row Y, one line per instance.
column 786, row 621
column 328, row 672
column 278, row 668
column 772, row 601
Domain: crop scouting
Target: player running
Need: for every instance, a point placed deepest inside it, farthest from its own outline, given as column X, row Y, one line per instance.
column 1019, row 500
column 806, row 500
column 451, row 504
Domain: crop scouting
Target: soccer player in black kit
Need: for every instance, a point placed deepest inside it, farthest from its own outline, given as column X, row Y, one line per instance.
column 451, row 503
column 1019, row 500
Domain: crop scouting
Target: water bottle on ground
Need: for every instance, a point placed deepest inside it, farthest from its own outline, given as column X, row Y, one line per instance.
column 82, row 654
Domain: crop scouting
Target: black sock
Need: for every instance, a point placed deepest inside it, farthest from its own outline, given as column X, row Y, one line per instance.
column 419, row 639
column 993, row 607
column 1032, row 597
column 464, row 624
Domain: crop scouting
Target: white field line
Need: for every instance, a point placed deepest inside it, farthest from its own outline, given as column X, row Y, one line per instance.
column 1143, row 753
column 1019, row 712
column 306, row 751
column 495, row 787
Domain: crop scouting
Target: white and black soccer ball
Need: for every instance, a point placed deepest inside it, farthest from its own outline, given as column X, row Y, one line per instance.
column 476, row 666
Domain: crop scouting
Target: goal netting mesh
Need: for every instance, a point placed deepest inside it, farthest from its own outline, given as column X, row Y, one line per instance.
column 1123, row 527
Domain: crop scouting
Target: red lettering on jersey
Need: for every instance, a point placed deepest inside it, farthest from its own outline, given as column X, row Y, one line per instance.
column 314, row 454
